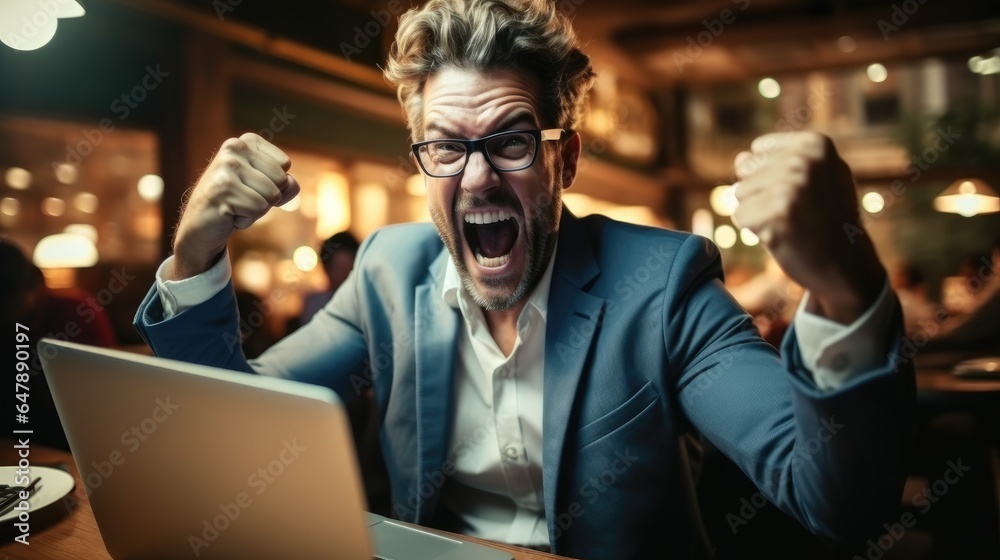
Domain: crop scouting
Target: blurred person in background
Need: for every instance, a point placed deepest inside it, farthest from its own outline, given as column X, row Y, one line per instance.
column 69, row 314
column 336, row 254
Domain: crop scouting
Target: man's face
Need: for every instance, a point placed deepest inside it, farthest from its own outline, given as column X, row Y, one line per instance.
column 500, row 227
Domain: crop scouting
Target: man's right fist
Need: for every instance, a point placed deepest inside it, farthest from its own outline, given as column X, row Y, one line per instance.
column 246, row 178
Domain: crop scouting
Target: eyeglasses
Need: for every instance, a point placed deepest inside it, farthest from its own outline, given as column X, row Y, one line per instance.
column 505, row 151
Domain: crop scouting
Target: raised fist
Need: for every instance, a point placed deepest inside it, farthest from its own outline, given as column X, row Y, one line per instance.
column 247, row 177
column 796, row 194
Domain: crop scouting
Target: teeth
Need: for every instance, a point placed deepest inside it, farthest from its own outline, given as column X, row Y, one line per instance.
column 492, row 263
column 487, row 217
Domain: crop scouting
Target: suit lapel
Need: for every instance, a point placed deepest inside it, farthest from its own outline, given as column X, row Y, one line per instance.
column 573, row 318
column 435, row 342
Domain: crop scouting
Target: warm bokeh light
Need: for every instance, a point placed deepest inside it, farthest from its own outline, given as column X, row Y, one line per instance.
column 415, row 185
column 985, row 65
column 150, row 188
column 147, row 224
column 52, row 206
column 86, row 202
column 372, row 204
column 872, row 202
column 18, row 178
column 10, row 206
column 288, row 274
column 633, row 215
column 725, row 236
column 584, row 205
column 723, row 200
column 85, row 230
column 305, row 258
column 877, row 72
column 968, row 197
column 65, row 250
column 253, row 274
column 702, row 223
column 333, row 205
column 769, row 88
column 847, row 44
column 991, row 66
column 67, row 173
column 308, row 205
column 748, row 237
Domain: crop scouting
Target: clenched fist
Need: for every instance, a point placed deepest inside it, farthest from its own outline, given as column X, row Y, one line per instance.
column 247, row 177
column 796, row 194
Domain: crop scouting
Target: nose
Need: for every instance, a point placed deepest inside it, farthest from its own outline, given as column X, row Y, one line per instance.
column 479, row 177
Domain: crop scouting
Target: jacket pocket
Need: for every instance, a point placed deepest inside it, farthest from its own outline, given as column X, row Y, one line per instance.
column 637, row 404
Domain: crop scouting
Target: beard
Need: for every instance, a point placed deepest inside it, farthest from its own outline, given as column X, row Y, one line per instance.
column 539, row 236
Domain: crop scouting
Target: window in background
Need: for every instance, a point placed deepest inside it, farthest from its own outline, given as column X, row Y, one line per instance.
column 97, row 188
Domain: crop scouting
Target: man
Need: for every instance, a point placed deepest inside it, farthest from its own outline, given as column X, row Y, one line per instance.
column 337, row 257
column 533, row 371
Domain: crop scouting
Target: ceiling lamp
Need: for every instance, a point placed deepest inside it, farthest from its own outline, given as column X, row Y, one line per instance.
column 968, row 197
column 26, row 25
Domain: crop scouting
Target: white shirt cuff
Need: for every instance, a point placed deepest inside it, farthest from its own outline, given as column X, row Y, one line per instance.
column 179, row 295
column 834, row 352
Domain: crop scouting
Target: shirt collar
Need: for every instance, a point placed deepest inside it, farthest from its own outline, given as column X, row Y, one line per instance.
column 452, row 289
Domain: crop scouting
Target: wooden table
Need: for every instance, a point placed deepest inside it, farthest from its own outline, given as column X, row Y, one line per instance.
column 75, row 535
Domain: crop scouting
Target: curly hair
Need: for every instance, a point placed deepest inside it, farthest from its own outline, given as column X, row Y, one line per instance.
column 482, row 35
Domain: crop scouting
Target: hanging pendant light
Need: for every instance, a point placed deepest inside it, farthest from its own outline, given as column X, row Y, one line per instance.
column 968, row 197
column 26, row 25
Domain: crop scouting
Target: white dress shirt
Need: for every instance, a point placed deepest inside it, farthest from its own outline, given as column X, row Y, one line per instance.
column 496, row 490
column 496, row 442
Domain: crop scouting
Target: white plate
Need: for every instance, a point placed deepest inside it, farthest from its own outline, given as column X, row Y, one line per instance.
column 53, row 487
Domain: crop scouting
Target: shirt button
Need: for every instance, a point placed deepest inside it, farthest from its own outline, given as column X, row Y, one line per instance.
column 512, row 452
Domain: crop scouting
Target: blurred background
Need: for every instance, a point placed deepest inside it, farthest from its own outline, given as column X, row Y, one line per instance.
column 107, row 117
column 104, row 127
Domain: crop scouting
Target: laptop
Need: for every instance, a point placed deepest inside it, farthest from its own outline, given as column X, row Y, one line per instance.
column 188, row 461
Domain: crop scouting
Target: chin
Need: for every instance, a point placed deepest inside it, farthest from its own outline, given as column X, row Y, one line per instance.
column 494, row 298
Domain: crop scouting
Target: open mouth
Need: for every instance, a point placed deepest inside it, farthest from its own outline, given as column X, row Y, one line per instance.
column 491, row 236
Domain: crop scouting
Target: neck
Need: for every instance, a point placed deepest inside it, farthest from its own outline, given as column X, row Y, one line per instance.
column 503, row 325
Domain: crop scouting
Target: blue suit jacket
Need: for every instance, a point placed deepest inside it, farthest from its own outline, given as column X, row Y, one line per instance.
column 643, row 343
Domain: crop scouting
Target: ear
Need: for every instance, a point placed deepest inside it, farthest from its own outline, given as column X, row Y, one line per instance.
column 570, row 154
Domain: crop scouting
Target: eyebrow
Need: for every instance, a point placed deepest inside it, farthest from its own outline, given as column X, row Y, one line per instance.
column 518, row 117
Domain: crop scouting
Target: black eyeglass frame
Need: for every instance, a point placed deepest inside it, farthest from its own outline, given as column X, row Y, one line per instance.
column 479, row 145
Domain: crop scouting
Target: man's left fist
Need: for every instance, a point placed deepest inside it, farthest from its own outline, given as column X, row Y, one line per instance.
column 797, row 195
